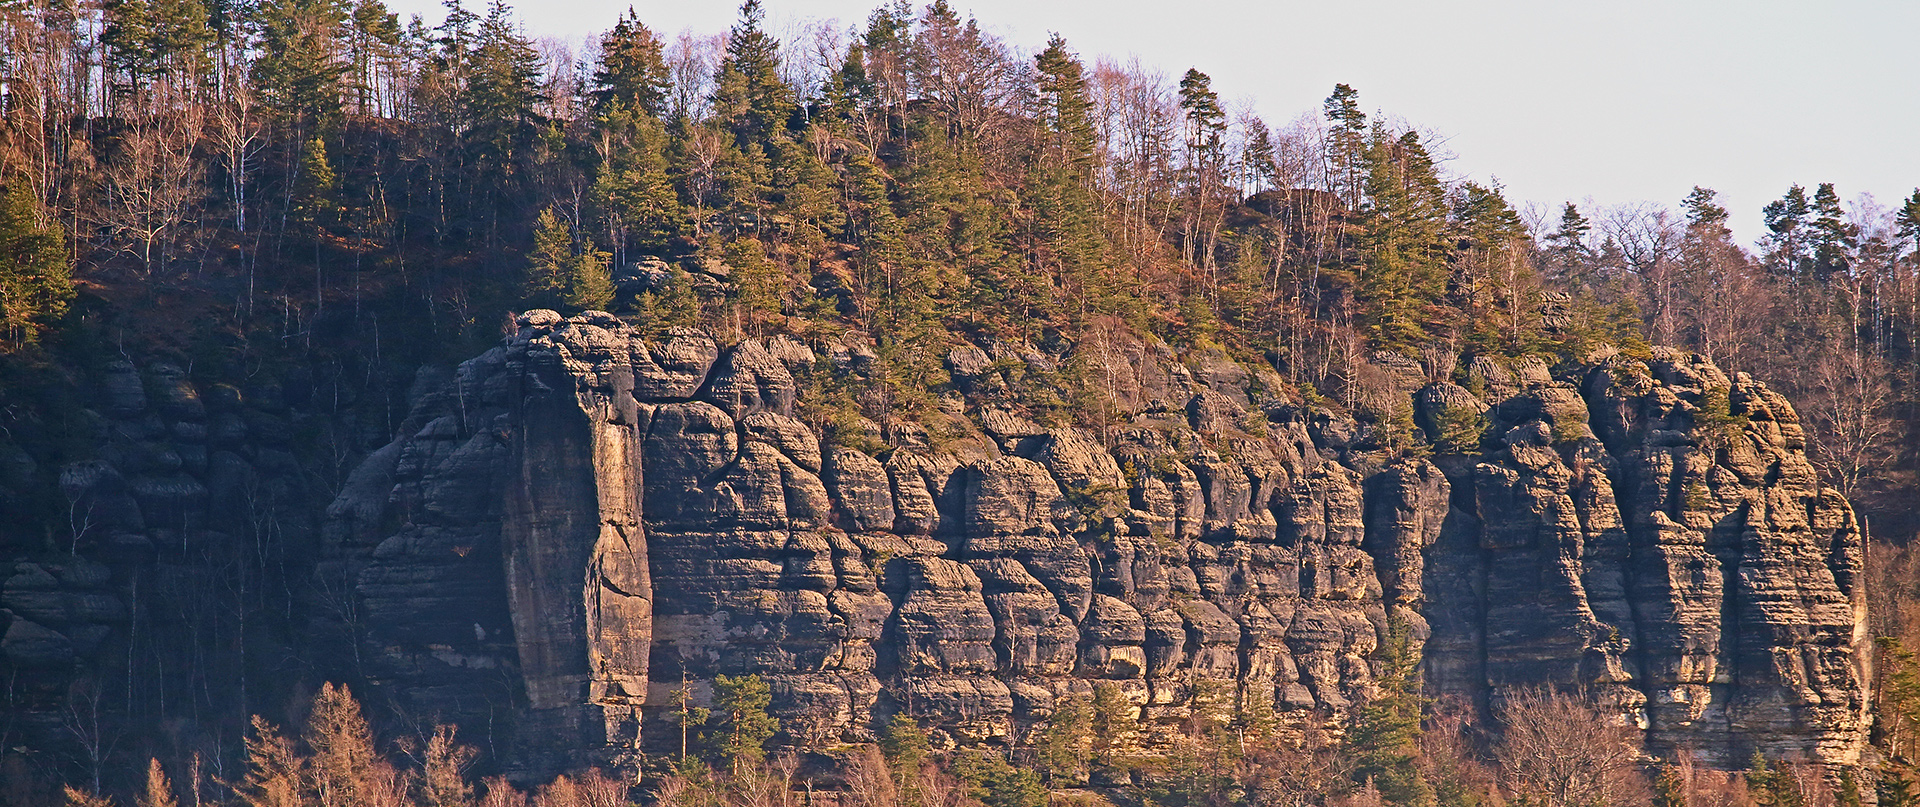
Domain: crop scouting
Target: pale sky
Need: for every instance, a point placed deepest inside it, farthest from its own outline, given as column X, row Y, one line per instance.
column 1616, row 100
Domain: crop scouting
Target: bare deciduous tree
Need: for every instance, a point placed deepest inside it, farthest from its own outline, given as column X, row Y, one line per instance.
column 1559, row 750
column 1848, row 401
column 152, row 178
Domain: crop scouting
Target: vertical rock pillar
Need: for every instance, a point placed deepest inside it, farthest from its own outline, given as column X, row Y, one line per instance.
column 574, row 552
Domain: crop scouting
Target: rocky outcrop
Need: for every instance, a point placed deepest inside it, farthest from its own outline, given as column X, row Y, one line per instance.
column 152, row 528
column 600, row 521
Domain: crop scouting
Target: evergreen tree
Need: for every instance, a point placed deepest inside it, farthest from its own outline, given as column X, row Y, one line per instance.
column 632, row 189
column 995, row 783
column 1060, row 192
column 905, row 747
column 502, row 78
column 1771, row 785
column 689, row 717
column 847, row 96
column 1346, row 145
column 748, row 97
column 1907, row 222
column 1206, row 128
column 760, row 288
column 740, row 726
column 1403, row 242
column 1701, row 209
column 1894, row 789
column 1260, row 163
column 1568, row 242
column 550, row 264
column 300, row 68
column 632, row 72
column 802, row 193
column 1384, row 739
column 1786, row 220
column 1493, row 285
column 1065, row 742
column 1114, row 729
column 589, row 283
column 1832, row 238
column 315, row 202
column 1669, row 790
column 1065, row 109
column 145, row 39
column 375, row 36
column 1848, row 793
column 36, row 276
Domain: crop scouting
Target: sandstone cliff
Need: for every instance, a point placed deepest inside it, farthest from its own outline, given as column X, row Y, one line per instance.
column 583, row 521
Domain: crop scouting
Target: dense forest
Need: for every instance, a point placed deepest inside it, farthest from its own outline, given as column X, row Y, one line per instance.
column 318, row 189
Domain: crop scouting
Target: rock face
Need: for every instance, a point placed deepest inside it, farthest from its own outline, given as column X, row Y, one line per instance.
column 599, row 521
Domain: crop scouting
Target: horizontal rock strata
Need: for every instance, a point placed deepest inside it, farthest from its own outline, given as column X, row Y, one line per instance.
column 600, row 520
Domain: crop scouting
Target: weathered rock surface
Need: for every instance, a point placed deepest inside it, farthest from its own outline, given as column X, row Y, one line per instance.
column 601, row 520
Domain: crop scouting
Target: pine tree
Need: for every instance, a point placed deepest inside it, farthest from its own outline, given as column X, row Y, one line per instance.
column 1669, row 790
column 1894, row 789
column 1114, row 730
column 589, row 282
column 803, row 194
column 1346, row 145
column 375, row 36
column 1493, row 285
column 1206, row 128
column 674, row 304
column 1786, row 220
column 1260, row 163
column 1832, row 238
column 955, row 240
column 1701, row 208
column 741, row 725
column 1907, row 221
column 550, row 264
column 314, row 197
column 300, row 68
column 847, row 91
column 1403, row 242
column 1771, row 785
column 145, row 39
column 1065, row 109
column 1568, row 241
column 1060, row 187
column 502, row 75
column 1384, row 739
column 906, row 748
column 632, row 190
column 1566, row 256
column 1065, row 742
column 760, row 288
column 748, row 96
column 36, row 276
column 632, row 72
